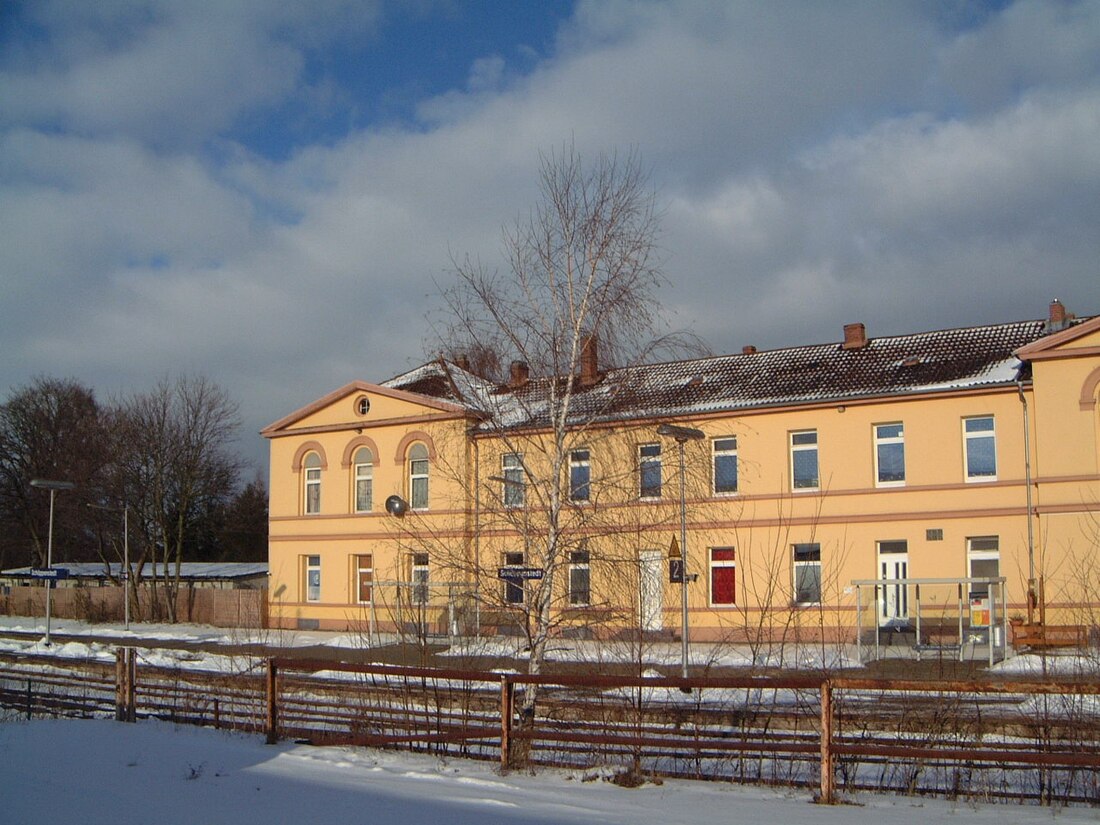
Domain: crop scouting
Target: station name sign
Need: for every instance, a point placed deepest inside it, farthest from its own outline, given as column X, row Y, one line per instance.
column 520, row 573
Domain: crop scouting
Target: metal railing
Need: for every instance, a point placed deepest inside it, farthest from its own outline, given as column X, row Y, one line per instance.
column 834, row 734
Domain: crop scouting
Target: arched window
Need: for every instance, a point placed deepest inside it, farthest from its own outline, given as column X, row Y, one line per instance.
column 364, row 480
column 418, row 476
column 312, row 492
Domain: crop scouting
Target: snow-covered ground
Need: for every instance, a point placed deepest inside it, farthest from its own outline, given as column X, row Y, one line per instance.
column 655, row 653
column 97, row 771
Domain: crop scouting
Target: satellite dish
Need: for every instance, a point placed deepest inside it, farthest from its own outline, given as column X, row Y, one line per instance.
column 396, row 506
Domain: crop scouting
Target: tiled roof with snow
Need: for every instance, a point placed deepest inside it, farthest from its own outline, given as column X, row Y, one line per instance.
column 944, row 360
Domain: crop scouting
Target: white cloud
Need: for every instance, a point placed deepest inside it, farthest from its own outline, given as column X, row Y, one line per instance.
column 819, row 164
column 166, row 72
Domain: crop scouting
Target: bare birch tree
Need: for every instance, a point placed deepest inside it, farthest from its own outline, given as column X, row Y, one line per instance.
column 582, row 273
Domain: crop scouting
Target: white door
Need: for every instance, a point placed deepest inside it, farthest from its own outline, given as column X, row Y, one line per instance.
column 651, row 596
column 893, row 564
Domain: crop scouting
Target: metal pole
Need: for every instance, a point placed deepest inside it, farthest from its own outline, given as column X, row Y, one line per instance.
column 684, row 583
column 126, row 560
column 859, row 624
column 992, row 622
column 49, row 566
column 682, row 436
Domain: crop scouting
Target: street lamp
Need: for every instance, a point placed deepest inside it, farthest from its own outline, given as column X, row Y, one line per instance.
column 53, row 487
column 682, row 436
column 125, row 510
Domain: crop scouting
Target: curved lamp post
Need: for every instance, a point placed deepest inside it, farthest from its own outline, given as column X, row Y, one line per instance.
column 53, row 486
column 682, row 436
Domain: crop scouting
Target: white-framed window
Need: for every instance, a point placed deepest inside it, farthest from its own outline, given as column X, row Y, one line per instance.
column 419, row 575
column 983, row 561
column 889, row 455
column 724, row 465
column 980, row 440
column 580, row 578
column 311, row 499
column 418, row 476
column 364, row 480
column 312, row 577
column 723, row 576
column 513, row 589
column 807, row 572
column 649, row 471
column 364, row 578
column 514, row 485
column 805, row 474
column 580, row 475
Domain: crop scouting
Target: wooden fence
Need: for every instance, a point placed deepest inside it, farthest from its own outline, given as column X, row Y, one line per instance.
column 835, row 735
column 199, row 605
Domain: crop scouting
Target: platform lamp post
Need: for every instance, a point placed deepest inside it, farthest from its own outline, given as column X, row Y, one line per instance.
column 683, row 435
column 53, row 486
column 125, row 510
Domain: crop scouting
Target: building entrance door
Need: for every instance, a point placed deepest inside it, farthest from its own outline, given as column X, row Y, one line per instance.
column 893, row 564
column 651, row 589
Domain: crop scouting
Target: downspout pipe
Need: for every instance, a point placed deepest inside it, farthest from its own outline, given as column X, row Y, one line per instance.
column 1031, row 599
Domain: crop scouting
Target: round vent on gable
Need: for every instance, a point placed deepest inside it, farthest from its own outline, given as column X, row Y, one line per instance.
column 362, row 405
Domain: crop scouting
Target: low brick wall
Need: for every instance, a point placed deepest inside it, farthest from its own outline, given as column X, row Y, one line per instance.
column 198, row 605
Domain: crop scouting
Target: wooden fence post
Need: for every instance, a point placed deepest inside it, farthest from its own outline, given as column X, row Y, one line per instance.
column 120, row 684
column 507, row 705
column 828, row 777
column 131, row 684
column 272, row 703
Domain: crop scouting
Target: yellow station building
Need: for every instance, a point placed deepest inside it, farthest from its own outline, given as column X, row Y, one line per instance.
column 871, row 482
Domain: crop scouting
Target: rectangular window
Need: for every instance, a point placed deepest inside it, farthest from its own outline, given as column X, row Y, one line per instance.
column 513, row 484
column 807, row 573
column 580, row 475
column 418, row 575
column 313, row 490
column 649, row 471
column 983, row 558
column 313, row 578
column 724, row 453
column 889, row 455
column 804, row 471
column 981, row 448
column 723, row 576
column 513, row 588
column 580, row 579
column 418, row 483
column 364, row 578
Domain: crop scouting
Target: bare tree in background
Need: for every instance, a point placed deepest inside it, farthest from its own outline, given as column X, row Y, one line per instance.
column 51, row 428
column 582, row 273
column 175, row 468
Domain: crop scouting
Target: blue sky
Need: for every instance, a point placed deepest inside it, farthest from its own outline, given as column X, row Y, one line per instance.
column 270, row 192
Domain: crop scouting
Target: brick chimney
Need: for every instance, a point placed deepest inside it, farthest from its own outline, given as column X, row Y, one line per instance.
column 462, row 361
column 749, row 349
column 855, row 336
column 590, row 366
column 1058, row 318
column 520, row 373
